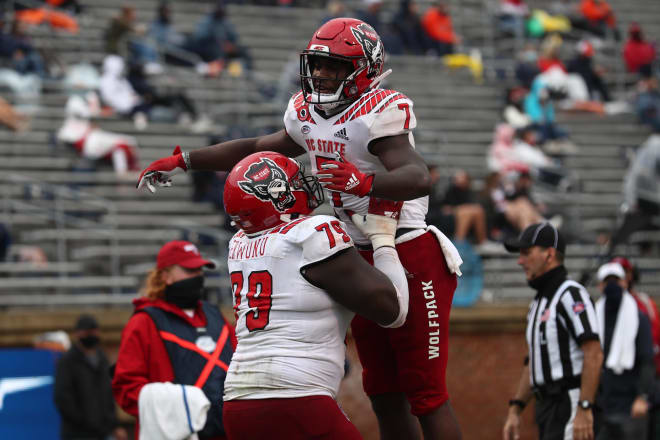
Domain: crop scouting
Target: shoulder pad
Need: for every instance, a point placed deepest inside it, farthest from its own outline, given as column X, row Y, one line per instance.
column 374, row 101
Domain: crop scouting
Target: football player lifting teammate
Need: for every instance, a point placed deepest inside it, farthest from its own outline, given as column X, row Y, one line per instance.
column 359, row 140
column 296, row 283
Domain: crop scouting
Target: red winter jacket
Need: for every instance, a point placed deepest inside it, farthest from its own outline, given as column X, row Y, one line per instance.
column 637, row 54
column 142, row 357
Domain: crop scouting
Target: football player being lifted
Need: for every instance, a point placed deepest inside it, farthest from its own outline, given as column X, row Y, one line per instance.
column 297, row 282
column 358, row 138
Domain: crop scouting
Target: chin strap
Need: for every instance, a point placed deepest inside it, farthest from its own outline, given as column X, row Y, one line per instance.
column 376, row 82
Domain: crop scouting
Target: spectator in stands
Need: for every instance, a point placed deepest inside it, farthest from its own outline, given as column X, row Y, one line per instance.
column 511, row 17
column 512, row 203
column 550, row 56
column 216, row 41
column 457, row 213
column 176, row 103
column 600, row 18
column 514, row 113
column 169, row 338
column 637, row 52
column 439, row 30
column 641, row 192
column 163, row 33
column 647, row 100
column 572, row 12
column 83, row 395
column 125, row 37
column 628, row 370
column 406, row 23
column 121, row 27
column 334, row 9
column 371, row 14
column 118, row 93
column 16, row 47
column 520, row 153
column 539, row 107
column 527, row 67
column 582, row 64
column 11, row 118
column 90, row 141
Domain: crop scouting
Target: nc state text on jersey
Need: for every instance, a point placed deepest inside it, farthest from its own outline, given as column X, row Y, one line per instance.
column 251, row 249
column 325, row 146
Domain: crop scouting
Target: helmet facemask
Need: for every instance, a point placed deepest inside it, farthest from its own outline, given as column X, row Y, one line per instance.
column 346, row 90
column 309, row 184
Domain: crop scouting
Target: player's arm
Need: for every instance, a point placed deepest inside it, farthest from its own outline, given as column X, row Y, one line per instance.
column 223, row 156
column 407, row 176
column 219, row 157
column 356, row 285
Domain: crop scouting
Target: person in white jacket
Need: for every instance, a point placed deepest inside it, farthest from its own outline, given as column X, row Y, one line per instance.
column 80, row 131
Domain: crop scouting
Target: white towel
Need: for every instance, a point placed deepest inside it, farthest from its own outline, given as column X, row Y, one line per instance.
column 452, row 256
column 171, row 411
column 622, row 347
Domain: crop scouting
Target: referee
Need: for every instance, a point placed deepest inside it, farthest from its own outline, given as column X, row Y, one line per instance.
column 565, row 357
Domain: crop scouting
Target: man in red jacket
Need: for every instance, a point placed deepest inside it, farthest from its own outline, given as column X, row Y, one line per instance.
column 174, row 336
column 637, row 52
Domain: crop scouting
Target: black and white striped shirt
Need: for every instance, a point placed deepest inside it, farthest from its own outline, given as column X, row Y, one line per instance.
column 560, row 318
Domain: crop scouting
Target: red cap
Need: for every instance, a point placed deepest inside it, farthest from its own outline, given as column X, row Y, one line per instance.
column 182, row 253
column 623, row 261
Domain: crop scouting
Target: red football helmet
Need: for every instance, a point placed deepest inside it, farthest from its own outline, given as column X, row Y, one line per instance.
column 350, row 42
column 264, row 186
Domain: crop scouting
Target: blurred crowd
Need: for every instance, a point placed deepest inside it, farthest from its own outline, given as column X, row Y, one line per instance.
column 552, row 64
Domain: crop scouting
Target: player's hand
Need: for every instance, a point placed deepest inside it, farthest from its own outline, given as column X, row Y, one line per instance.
column 511, row 430
column 379, row 224
column 342, row 176
column 160, row 172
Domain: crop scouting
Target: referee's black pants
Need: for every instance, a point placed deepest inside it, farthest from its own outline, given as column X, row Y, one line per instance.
column 555, row 414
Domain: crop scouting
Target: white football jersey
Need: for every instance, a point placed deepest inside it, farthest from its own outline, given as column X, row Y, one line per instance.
column 378, row 113
column 290, row 333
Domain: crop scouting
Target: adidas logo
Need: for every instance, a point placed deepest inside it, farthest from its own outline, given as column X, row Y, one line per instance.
column 352, row 182
column 342, row 134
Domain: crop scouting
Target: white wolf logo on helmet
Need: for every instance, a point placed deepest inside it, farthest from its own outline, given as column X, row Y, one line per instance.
column 268, row 182
column 372, row 46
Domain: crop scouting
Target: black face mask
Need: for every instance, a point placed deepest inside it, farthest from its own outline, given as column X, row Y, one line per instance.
column 90, row 341
column 185, row 293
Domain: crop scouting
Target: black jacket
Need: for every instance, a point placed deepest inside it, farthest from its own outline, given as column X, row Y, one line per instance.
column 83, row 396
column 618, row 391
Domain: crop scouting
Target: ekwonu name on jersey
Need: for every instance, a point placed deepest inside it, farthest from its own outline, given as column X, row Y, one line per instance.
column 290, row 333
column 378, row 113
